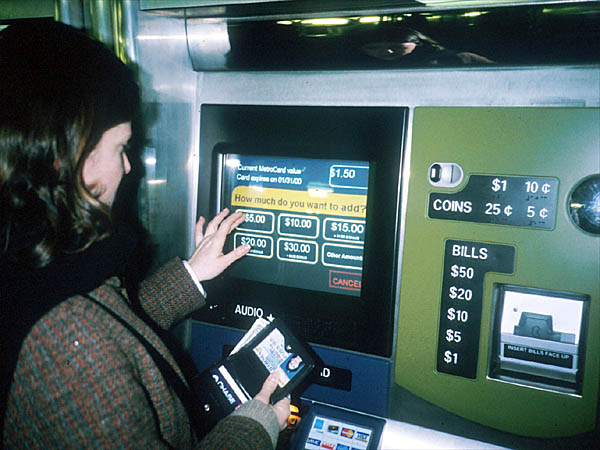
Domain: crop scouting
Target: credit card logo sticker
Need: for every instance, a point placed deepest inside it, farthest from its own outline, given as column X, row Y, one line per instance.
column 319, row 424
column 347, row 432
column 362, row 437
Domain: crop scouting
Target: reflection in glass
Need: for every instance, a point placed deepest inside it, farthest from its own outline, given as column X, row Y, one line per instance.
column 510, row 35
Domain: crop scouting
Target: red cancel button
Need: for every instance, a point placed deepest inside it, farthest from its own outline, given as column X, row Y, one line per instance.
column 345, row 280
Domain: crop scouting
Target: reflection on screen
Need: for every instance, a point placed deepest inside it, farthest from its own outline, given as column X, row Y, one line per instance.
column 305, row 220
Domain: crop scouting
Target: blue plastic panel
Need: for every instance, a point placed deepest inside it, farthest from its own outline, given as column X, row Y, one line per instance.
column 371, row 376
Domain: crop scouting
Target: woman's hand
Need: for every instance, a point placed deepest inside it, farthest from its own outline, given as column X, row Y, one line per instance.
column 208, row 259
column 282, row 407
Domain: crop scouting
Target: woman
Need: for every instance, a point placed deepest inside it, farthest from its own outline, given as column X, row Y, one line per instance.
column 390, row 44
column 81, row 368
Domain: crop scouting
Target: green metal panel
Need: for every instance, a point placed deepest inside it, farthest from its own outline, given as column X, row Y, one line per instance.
column 562, row 143
column 160, row 4
column 26, row 9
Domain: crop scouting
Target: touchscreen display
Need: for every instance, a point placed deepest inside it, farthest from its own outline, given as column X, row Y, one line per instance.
column 326, row 433
column 305, row 220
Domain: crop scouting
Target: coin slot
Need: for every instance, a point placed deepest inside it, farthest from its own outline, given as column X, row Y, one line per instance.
column 445, row 174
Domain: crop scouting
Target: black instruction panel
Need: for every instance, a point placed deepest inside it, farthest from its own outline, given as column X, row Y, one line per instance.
column 465, row 266
column 503, row 200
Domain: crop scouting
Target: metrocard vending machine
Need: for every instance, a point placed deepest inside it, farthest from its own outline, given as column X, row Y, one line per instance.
column 313, row 182
column 499, row 311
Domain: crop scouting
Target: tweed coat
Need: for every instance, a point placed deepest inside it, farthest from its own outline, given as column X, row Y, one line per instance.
column 84, row 381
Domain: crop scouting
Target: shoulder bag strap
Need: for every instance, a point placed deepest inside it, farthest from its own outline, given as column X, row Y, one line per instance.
column 172, row 378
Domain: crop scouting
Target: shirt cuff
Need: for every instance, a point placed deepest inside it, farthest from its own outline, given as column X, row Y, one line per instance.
column 194, row 277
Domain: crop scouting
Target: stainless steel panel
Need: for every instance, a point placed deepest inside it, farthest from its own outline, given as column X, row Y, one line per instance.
column 537, row 86
column 208, row 43
column 125, row 28
column 172, row 121
column 101, row 15
column 71, row 12
column 401, row 435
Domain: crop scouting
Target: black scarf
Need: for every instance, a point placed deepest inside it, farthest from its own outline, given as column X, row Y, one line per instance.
column 26, row 294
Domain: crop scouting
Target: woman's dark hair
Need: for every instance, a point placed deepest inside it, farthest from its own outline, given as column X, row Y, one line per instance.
column 59, row 92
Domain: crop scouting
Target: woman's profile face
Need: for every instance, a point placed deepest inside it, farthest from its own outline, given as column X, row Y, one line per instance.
column 107, row 163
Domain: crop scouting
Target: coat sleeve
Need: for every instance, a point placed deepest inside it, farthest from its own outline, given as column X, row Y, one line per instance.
column 170, row 294
column 237, row 433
